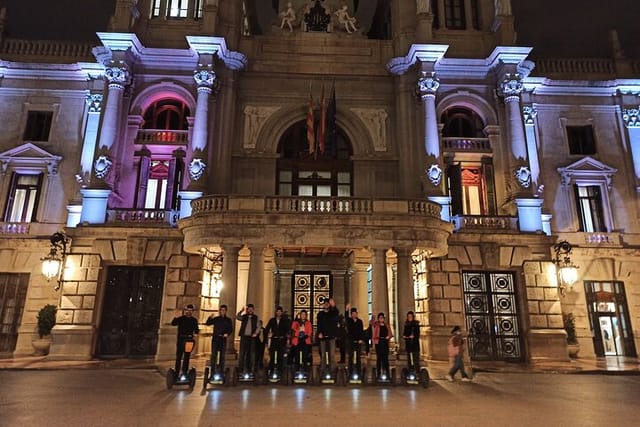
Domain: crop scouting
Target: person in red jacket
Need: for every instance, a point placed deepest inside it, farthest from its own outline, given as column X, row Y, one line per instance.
column 301, row 331
column 382, row 334
column 455, row 349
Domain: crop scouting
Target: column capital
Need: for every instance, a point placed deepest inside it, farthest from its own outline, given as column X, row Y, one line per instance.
column 117, row 74
column 94, row 102
column 206, row 79
column 428, row 85
column 529, row 112
column 511, row 87
column 631, row 117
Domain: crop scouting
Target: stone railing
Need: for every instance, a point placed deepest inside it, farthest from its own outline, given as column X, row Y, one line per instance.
column 488, row 223
column 314, row 205
column 156, row 136
column 466, row 144
column 14, row 228
column 140, row 217
column 602, row 238
column 19, row 47
column 575, row 66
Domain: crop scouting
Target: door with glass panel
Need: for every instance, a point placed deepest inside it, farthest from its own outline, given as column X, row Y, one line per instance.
column 492, row 316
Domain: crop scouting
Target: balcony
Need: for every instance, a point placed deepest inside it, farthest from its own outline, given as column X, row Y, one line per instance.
column 142, row 217
column 485, row 224
column 14, row 228
column 471, row 145
column 158, row 136
column 315, row 221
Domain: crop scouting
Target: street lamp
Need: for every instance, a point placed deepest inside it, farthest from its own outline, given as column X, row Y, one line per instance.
column 53, row 264
column 212, row 273
column 566, row 270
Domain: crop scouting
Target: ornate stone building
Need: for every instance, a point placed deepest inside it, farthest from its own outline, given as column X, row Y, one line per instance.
column 422, row 162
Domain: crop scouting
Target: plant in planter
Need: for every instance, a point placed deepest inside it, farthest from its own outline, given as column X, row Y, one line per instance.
column 46, row 322
column 572, row 340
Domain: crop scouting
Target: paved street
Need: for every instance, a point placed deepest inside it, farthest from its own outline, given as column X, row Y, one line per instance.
column 123, row 397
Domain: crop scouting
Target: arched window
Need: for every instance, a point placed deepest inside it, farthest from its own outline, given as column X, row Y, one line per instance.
column 462, row 122
column 317, row 173
column 166, row 114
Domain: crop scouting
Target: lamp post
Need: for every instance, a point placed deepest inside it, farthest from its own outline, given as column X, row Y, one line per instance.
column 566, row 271
column 54, row 263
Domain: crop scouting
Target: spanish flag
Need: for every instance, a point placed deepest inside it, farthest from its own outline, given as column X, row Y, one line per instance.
column 323, row 123
column 311, row 137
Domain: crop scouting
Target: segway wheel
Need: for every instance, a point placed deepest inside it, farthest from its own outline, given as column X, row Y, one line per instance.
column 192, row 378
column 207, row 376
column 403, row 377
column 424, row 378
column 171, row 378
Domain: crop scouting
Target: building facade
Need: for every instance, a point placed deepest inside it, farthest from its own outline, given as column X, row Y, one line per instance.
column 265, row 152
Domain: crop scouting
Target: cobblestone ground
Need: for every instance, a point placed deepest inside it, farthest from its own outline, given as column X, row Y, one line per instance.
column 138, row 397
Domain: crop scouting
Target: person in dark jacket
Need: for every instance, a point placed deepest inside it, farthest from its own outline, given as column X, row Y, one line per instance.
column 327, row 328
column 187, row 328
column 411, row 335
column 222, row 328
column 249, row 329
column 277, row 331
column 354, row 337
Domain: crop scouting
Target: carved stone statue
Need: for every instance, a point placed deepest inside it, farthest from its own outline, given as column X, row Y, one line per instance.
column 347, row 21
column 288, row 17
column 503, row 7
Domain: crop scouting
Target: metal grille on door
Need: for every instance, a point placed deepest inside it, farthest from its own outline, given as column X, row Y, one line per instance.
column 492, row 317
column 309, row 289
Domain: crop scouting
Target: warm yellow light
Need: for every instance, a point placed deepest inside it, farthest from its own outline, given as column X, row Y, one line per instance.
column 568, row 275
column 51, row 267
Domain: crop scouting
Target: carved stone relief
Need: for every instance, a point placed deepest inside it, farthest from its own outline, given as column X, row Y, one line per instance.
column 254, row 119
column 375, row 120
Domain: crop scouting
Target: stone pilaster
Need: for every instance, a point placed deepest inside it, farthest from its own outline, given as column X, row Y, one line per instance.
column 631, row 119
column 428, row 85
column 380, row 285
column 206, row 81
column 405, row 291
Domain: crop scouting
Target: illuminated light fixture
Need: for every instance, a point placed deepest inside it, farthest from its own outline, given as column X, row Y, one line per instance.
column 212, row 273
column 54, row 263
column 565, row 269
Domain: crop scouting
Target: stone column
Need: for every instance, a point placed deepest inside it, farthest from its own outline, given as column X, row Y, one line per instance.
column 380, row 285
column 269, row 287
column 359, row 290
column 94, row 198
column 529, row 113
column 228, row 293
column 428, row 85
column 529, row 208
column 631, row 118
column 255, row 288
column 94, row 109
column 405, row 292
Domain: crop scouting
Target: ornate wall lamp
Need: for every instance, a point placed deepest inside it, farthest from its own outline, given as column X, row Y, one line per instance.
column 566, row 270
column 54, row 263
column 211, row 273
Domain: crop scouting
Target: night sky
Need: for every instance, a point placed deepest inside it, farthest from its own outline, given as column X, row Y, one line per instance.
column 575, row 28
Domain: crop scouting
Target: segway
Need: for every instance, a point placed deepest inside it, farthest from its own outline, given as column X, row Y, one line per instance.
column 277, row 374
column 215, row 375
column 300, row 372
column 328, row 376
column 355, row 373
column 383, row 377
column 188, row 378
column 413, row 374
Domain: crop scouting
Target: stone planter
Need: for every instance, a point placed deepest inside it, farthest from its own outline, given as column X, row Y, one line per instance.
column 41, row 346
column 573, row 350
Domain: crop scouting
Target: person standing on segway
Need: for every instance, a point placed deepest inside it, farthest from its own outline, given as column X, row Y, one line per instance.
column 327, row 333
column 301, row 330
column 187, row 328
column 411, row 335
column 222, row 328
column 382, row 334
column 249, row 330
column 277, row 331
column 354, row 337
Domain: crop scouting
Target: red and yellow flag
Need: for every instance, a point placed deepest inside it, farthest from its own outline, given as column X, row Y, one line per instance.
column 323, row 123
column 311, row 137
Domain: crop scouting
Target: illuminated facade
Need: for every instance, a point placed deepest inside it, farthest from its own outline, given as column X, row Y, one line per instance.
column 443, row 165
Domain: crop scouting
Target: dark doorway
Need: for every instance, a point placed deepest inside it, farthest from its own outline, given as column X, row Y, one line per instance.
column 609, row 319
column 492, row 317
column 131, row 313
column 13, row 292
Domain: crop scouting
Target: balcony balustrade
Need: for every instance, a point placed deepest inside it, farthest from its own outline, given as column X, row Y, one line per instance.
column 159, row 136
column 475, row 145
column 142, row 217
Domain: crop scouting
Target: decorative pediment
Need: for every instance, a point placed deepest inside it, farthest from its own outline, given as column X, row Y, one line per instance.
column 587, row 169
column 29, row 156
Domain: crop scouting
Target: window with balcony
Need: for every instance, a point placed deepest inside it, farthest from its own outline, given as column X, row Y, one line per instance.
column 322, row 173
column 38, row 126
column 159, row 183
column 168, row 114
column 22, row 202
column 590, row 208
column 176, row 9
column 581, row 140
column 471, row 188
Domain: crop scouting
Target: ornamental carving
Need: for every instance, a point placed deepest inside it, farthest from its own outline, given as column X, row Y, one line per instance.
column 529, row 112
column 511, row 85
column 375, row 120
column 196, row 168
column 205, row 78
column 102, row 166
column 523, row 175
column 254, row 119
column 631, row 117
column 434, row 174
column 94, row 102
column 428, row 84
column 117, row 74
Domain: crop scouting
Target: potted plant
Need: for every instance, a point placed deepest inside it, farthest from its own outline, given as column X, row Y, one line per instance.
column 572, row 340
column 46, row 322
